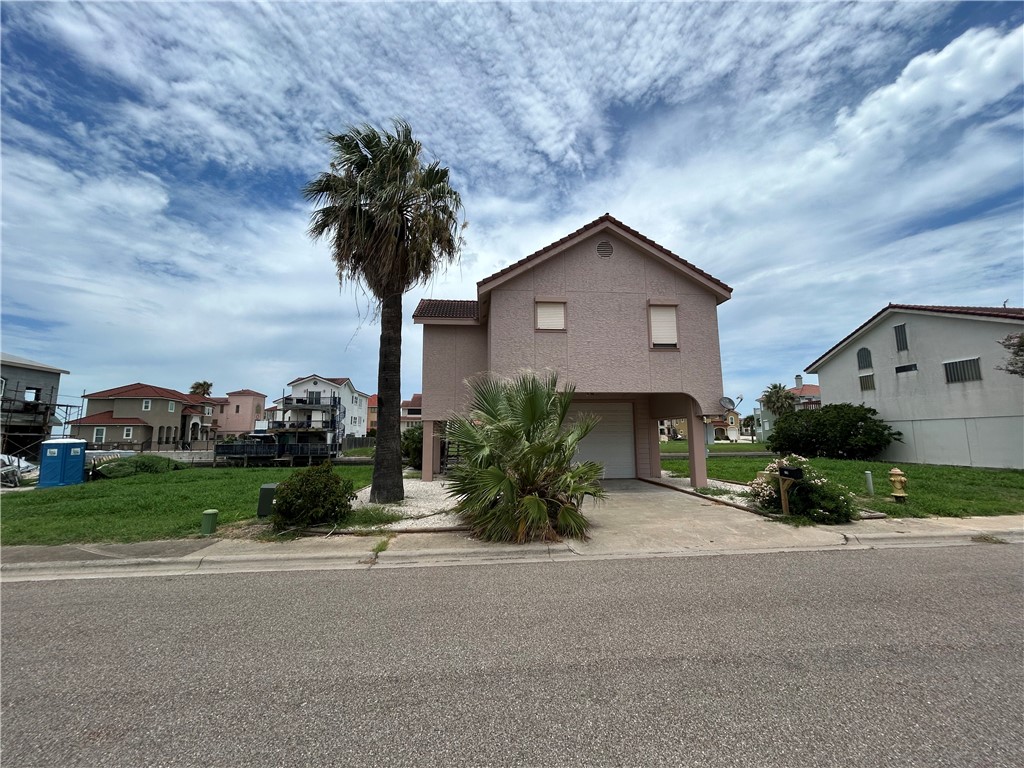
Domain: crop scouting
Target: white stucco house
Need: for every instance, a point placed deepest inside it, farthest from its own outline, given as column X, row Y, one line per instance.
column 931, row 372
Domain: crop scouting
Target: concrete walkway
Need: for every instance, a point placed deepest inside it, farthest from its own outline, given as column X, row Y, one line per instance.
column 638, row 520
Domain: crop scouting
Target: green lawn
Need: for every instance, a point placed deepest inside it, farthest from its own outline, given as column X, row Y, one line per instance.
column 141, row 507
column 681, row 446
column 932, row 490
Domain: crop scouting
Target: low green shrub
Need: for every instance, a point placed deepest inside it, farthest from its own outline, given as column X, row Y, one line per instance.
column 312, row 496
column 412, row 446
column 836, row 431
column 134, row 465
column 815, row 497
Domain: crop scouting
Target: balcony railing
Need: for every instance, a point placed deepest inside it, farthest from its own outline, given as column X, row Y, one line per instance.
column 327, row 425
column 310, row 402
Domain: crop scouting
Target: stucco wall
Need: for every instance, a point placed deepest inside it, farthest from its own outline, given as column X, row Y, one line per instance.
column 606, row 345
column 451, row 354
column 250, row 408
column 975, row 423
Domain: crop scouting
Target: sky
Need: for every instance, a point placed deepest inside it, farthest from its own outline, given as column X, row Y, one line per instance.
column 822, row 159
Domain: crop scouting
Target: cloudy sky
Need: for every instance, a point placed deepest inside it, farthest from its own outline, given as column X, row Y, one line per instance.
column 822, row 159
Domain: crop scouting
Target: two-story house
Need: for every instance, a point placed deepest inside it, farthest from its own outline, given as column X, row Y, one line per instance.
column 28, row 404
column 237, row 414
column 932, row 372
column 319, row 409
column 145, row 417
column 412, row 411
column 632, row 325
column 371, row 414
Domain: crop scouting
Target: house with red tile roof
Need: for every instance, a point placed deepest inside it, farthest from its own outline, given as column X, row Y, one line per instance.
column 632, row 325
column 412, row 412
column 934, row 373
column 371, row 413
column 807, row 398
column 145, row 417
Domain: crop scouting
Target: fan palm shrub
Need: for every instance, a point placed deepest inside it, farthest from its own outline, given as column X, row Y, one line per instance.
column 519, row 480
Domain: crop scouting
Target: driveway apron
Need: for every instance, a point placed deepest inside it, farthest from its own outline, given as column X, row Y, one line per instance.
column 643, row 518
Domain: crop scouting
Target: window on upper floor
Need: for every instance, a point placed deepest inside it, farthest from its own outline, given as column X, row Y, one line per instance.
column 663, row 326
column 170, row 406
column 863, row 358
column 238, row 408
column 127, row 433
column 222, row 409
column 550, row 315
column 901, row 337
column 906, row 368
column 963, row 370
column 3, row 386
column 33, row 394
column 208, row 410
column 99, row 434
column 147, row 405
column 867, row 383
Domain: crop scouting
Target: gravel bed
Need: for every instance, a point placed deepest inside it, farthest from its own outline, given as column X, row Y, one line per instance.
column 426, row 505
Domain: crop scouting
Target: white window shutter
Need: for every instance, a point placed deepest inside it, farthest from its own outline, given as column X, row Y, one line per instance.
column 550, row 316
column 663, row 326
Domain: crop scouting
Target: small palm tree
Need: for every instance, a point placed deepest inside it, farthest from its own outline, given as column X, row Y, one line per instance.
column 778, row 399
column 519, row 480
column 204, row 388
column 392, row 221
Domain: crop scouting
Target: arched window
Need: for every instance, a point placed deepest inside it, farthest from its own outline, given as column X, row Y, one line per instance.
column 863, row 358
column 160, row 435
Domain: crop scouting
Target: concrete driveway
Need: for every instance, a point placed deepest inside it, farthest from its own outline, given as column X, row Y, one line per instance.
column 643, row 518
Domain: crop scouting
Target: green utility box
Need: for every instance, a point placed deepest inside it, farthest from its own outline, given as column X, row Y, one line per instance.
column 265, row 507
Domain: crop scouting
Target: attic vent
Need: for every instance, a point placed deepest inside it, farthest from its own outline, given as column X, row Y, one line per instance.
column 604, row 249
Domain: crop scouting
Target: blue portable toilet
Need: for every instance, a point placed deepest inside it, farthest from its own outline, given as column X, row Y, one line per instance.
column 62, row 462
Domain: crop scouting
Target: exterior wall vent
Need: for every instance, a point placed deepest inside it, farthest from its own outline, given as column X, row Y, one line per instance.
column 604, row 249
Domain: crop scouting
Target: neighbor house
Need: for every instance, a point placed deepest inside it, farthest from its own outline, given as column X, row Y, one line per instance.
column 412, row 412
column 28, row 404
column 144, row 417
column 237, row 414
column 371, row 413
column 319, row 409
column 806, row 397
column 932, row 372
column 632, row 325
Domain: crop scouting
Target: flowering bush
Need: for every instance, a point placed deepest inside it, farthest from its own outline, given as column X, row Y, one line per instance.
column 815, row 497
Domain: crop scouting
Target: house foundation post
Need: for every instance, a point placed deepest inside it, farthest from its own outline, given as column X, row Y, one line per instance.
column 428, row 451
column 697, row 448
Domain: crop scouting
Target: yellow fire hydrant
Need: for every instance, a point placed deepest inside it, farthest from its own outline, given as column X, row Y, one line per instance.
column 898, row 480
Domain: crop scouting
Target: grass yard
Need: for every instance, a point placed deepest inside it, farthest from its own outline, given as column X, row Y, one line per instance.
column 932, row 490
column 681, row 446
column 142, row 507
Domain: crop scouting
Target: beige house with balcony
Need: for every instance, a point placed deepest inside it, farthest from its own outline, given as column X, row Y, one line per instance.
column 632, row 325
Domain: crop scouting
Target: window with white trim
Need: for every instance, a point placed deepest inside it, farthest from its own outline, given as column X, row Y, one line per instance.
column 147, row 405
column 963, row 370
column 170, row 406
column 127, row 433
column 550, row 316
column 208, row 410
column 99, row 434
column 664, row 333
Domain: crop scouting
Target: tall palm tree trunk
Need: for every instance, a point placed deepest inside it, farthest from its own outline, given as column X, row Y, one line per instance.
column 387, row 463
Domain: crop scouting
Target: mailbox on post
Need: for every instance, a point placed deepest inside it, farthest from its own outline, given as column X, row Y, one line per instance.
column 791, row 473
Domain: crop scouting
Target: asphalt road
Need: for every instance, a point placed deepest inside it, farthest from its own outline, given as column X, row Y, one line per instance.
column 864, row 658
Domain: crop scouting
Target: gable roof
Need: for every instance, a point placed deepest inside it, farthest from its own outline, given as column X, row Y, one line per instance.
column 371, row 401
column 334, row 380
column 998, row 313
column 252, row 392
column 415, row 402
column 610, row 223
column 24, row 362
column 107, row 418
column 139, row 390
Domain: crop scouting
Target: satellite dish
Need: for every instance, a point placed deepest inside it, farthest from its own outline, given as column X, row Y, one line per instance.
column 727, row 403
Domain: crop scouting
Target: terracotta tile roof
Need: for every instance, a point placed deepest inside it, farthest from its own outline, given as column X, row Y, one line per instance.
column 807, row 390
column 595, row 224
column 138, row 390
column 372, row 402
column 107, row 418
column 218, row 400
column 1007, row 313
column 447, row 309
column 247, row 392
column 340, row 380
column 415, row 402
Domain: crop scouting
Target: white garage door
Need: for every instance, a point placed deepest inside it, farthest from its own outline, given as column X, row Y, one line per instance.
column 611, row 441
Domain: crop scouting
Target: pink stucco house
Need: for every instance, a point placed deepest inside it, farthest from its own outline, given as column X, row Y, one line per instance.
column 631, row 324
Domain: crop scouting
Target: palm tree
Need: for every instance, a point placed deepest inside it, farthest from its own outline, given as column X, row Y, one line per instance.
column 519, row 481
column 391, row 221
column 778, row 399
column 204, row 388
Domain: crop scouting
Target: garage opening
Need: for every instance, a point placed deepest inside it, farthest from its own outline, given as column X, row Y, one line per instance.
column 612, row 441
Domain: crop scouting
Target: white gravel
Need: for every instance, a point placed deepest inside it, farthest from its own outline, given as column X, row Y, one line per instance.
column 426, row 505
